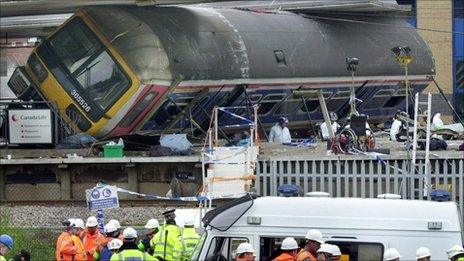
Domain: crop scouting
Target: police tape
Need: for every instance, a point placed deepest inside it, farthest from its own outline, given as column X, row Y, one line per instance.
column 189, row 199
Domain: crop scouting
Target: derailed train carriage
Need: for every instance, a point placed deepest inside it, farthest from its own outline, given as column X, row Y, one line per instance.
column 118, row 70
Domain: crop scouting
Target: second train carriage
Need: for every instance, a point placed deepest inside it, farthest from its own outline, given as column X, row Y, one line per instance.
column 116, row 70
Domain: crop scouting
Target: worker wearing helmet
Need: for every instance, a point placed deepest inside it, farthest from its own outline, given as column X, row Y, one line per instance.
column 456, row 253
column 6, row 244
column 289, row 249
column 152, row 228
column 69, row 246
column 245, row 252
column 103, row 252
column 93, row 239
column 313, row 243
column 189, row 239
column 114, row 245
column 166, row 244
column 280, row 133
column 116, row 223
column 129, row 249
column 423, row 254
column 325, row 252
column 80, row 226
column 391, row 254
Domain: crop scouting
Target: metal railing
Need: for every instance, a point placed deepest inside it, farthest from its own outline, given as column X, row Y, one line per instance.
column 363, row 178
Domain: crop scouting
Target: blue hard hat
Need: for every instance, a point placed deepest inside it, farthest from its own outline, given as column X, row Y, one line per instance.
column 6, row 240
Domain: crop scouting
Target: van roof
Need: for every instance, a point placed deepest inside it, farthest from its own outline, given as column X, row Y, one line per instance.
column 353, row 213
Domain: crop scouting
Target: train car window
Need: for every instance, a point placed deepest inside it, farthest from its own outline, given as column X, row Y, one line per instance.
column 378, row 100
column 138, row 109
column 360, row 251
column 269, row 102
column 89, row 63
column 223, row 248
column 255, row 98
column 270, row 247
column 288, row 107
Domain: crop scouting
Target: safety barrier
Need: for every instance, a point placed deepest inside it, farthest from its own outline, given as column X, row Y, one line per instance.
column 362, row 178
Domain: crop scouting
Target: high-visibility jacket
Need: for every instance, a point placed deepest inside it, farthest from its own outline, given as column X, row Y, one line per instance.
column 166, row 244
column 144, row 244
column 132, row 255
column 2, row 258
column 188, row 240
column 92, row 241
column 59, row 241
column 80, row 251
column 284, row 257
column 305, row 255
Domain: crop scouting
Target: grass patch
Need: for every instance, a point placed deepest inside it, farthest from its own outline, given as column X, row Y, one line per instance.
column 39, row 242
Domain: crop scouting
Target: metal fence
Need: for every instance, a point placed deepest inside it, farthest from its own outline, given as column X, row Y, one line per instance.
column 363, row 178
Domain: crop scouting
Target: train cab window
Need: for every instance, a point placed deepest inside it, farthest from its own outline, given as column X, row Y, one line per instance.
column 270, row 247
column 224, row 248
column 86, row 60
column 138, row 109
column 360, row 251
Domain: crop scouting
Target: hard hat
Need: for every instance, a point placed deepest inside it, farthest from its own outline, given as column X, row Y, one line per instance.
column 6, row 240
column 454, row 251
column 315, row 235
column 110, row 227
column 152, row 223
column 391, row 254
column 423, row 252
column 325, row 248
column 71, row 222
column 79, row 223
column 114, row 244
column 129, row 233
column 333, row 116
column 245, row 248
column 289, row 243
column 91, row 222
column 115, row 222
column 189, row 222
column 283, row 120
column 336, row 250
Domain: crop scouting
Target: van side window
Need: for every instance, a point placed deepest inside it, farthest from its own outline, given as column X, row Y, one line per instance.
column 270, row 247
column 361, row 251
column 223, row 248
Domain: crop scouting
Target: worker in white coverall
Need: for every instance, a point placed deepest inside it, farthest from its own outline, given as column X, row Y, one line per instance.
column 280, row 133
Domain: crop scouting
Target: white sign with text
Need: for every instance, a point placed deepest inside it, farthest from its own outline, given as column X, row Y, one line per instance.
column 30, row 126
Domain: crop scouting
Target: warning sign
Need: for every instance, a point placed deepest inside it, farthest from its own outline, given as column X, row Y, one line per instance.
column 102, row 197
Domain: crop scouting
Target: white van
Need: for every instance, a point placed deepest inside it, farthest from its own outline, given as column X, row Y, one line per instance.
column 362, row 228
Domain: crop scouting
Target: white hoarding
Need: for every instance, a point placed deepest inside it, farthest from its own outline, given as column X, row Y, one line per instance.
column 30, row 126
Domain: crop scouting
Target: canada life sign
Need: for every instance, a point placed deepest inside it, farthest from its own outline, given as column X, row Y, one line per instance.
column 30, row 126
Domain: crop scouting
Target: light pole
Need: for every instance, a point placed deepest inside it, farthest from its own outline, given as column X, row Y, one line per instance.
column 352, row 65
column 404, row 57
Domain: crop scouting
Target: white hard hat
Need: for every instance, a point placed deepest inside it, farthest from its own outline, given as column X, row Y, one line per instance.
column 189, row 222
column 115, row 222
column 454, row 251
column 91, row 222
column 325, row 248
column 336, row 250
column 129, row 233
column 245, row 248
column 114, row 244
column 315, row 235
column 110, row 227
column 79, row 223
column 289, row 243
column 391, row 254
column 72, row 222
column 152, row 223
column 423, row 252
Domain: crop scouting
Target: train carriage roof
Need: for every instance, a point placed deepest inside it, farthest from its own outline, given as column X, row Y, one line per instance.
column 229, row 44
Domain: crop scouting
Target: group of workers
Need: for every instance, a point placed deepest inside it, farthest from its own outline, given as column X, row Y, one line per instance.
column 167, row 241
column 316, row 249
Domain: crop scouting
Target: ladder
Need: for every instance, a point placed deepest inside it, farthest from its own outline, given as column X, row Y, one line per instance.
column 416, row 139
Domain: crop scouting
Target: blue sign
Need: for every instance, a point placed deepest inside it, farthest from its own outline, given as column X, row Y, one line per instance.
column 102, row 197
